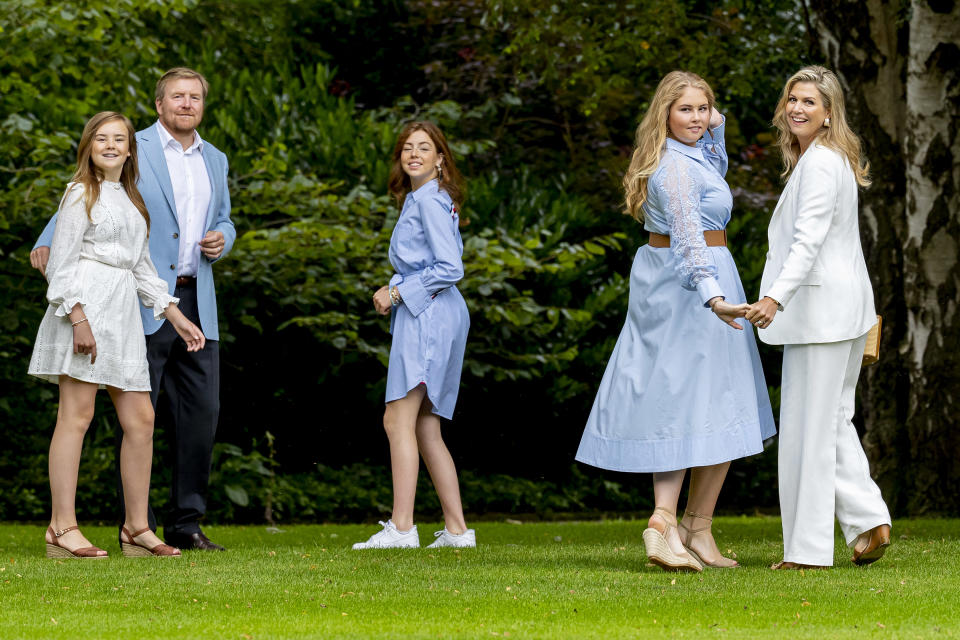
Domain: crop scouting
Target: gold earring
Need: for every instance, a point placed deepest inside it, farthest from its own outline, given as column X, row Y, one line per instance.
column 439, row 172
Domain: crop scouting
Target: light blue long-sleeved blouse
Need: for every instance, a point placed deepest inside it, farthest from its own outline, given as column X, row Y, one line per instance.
column 686, row 196
column 430, row 326
column 426, row 248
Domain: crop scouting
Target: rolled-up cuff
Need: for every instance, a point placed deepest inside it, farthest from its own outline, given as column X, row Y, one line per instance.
column 709, row 288
column 414, row 295
column 160, row 305
column 715, row 136
column 67, row 306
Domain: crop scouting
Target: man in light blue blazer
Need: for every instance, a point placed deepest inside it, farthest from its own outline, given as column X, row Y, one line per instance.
column 183, row 181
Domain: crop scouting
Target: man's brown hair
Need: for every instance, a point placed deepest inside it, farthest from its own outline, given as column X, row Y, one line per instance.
column 178, row 73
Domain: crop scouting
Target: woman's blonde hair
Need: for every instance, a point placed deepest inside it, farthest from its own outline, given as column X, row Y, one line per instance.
column 89, row 175
column 652, row 136
column 837, row 135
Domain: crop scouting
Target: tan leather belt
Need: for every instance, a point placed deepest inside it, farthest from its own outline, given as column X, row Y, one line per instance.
column 712, row 238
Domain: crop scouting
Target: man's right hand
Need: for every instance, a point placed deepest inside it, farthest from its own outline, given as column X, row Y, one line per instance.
column 38, row 259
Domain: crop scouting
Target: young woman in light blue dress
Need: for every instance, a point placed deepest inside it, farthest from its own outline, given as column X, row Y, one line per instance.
column 681, row 390
column 429, row 324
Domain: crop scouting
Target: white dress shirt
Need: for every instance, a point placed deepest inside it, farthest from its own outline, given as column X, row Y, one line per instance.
column 191, row 193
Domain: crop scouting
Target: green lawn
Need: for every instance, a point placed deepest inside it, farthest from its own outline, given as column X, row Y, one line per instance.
column 543, row 580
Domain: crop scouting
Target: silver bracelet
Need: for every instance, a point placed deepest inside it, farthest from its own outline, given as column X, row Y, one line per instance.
column 81, row 321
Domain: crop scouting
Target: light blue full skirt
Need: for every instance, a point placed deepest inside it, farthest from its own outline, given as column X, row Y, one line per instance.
column 682, row 389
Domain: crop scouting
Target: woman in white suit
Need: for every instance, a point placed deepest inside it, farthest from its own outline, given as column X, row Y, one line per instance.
column 816, row 301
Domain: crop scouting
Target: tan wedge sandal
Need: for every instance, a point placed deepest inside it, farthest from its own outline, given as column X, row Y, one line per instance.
column 659, row 551
column 688, row 534
column 57, row 550
column 133, row 549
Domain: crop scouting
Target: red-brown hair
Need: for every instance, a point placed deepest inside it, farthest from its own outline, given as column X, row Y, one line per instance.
column 450, row 179
column 89, row 175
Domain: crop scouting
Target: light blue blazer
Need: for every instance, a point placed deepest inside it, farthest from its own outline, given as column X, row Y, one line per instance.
column 157, row 192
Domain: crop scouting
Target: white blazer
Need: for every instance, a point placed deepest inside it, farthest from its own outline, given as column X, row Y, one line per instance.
column 815, row 267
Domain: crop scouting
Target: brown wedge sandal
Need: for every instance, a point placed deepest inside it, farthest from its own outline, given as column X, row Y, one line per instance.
column 57, row 550
column 133, row 549
column 688, row 534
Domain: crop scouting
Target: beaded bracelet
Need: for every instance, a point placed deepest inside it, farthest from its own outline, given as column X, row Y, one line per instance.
column 81, row 321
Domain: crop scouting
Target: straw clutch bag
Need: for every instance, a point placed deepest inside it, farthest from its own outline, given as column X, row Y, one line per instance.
column 871, row 350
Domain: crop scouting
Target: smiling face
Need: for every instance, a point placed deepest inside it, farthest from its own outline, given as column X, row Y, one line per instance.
column 110, row 149
column 420, row 159
column 805, row 112
column 181, row 107
column 688, row 117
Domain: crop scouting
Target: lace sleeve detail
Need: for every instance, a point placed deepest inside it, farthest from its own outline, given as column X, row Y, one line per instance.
column 151, row 288
column 693, row 262
column 72, row 221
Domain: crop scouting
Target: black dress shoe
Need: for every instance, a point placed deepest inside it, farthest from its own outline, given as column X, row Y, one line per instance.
column 191, row 541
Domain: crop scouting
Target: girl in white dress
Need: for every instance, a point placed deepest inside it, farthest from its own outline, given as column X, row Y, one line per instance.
column 92, row 336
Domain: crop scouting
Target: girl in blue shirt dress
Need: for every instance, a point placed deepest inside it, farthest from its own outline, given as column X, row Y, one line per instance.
column 429, row 324
column 681, row 390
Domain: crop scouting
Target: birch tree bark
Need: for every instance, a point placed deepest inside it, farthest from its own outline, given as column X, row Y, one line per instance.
column 898, row 62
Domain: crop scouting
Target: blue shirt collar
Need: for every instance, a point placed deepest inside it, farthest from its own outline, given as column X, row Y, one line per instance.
column 428, row 189
column 692, row 152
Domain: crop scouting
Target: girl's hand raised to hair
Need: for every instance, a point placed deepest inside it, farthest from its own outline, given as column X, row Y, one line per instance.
column 716, row 119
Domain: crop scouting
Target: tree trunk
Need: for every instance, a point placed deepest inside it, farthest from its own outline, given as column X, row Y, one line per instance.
column 901, row 94
column 930, row 250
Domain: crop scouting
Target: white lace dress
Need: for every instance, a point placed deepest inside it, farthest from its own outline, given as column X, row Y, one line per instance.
column 102, row 262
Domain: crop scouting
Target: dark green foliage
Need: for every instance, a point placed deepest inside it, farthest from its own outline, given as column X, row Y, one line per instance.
column 539, row 101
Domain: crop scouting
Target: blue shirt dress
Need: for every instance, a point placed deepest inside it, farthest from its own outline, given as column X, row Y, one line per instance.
column 430, row 327
column 682, row 388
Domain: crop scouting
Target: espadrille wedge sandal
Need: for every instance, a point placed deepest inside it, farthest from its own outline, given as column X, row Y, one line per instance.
column 57, row 550
column 687, row 538
column 133, row 549
column 659, row 551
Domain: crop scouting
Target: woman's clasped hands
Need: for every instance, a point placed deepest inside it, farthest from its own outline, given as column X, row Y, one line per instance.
column 760, row 314
column 729, row 312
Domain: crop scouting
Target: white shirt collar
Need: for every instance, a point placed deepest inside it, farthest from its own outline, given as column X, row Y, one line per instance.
column 166, row 139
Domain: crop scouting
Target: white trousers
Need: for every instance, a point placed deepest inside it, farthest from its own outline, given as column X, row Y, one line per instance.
column 823, row 470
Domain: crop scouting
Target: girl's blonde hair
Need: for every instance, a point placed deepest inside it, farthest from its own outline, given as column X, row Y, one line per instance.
column 89, row 175
column 652, row 136
column 837, row 135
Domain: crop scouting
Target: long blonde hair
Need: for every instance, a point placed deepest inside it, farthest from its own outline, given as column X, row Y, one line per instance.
column 652, row 136
column 837, row 136
column 90, row 176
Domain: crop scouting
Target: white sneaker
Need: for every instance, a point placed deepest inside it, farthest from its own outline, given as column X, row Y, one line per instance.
column 390, row 538
column 446, row 539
